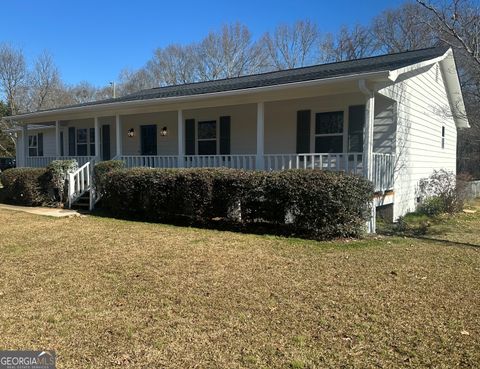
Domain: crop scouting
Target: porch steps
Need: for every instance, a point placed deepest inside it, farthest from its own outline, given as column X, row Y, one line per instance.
column 82, row 204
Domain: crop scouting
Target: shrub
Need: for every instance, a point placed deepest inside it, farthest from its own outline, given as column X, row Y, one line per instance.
column 313, row 204
column 25, row 186
column 58, row 171
column 101, row 170
column 432, row 206
column 442, row 192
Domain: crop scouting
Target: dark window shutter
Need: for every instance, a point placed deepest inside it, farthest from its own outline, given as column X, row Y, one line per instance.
column 106, row 142
column 61, row 144
column 40, row 144
column 190, row 137
column 92, row 142
column 303, row 131
column 225, row 135
column 356, row 121
column 71, row 141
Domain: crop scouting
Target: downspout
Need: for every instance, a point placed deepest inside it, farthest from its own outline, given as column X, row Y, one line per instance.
column 368, row 144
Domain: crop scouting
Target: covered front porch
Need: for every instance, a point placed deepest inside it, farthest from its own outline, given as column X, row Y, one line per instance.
column 344, row 132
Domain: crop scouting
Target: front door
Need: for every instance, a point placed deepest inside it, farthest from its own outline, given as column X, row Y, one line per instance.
column 106, row 142
column 148, row 137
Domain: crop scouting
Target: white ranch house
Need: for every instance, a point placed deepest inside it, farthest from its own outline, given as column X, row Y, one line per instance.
column 390, row 118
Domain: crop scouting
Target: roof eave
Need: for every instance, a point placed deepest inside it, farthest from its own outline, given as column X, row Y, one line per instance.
column 454, row 90
column 394, row 74
column 97, row 108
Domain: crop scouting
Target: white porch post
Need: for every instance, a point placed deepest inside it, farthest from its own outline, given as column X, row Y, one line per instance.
column 368, row 146
column 260, row 162
column 57, row 138
column 97, row 139
column 118, row 131
column 181, row 139
column 24, row 147
column 368, row 136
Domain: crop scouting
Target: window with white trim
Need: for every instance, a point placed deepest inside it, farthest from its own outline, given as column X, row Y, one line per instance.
column 33, row 145
column 207, row 138
column 85, row 141
column 329, row 132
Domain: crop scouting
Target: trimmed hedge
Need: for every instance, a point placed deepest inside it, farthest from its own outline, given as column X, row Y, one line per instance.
column 25, row 186
column 37, row 186
column 58, row 171
column 306, row 203
column 101, row 170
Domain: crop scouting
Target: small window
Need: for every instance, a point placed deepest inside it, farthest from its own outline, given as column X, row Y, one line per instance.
column 329, row 132
column 207, row 138
column 443, row 137
column 33, row 145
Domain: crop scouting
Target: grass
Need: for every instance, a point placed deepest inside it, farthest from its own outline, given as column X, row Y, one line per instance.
column 108, row 293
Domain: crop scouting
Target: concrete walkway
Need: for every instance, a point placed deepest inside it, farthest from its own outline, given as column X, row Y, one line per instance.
column 51, row 212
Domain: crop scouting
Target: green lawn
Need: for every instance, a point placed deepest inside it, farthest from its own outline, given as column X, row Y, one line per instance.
column 109, row 293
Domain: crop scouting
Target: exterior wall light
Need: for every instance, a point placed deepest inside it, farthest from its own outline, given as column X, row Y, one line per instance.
column 164, row 132
column 131, row 132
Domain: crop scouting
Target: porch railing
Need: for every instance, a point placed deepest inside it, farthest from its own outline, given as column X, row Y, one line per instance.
column 217, row 161
column 383, row 171
column 348, row 162
column 80, row 182
column 132, row 161
column 383, row 164
column 43, row 161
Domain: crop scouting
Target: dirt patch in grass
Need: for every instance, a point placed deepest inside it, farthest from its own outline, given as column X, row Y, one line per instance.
column 109, row 293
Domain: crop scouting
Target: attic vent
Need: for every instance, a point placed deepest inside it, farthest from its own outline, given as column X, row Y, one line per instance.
column 437, row 73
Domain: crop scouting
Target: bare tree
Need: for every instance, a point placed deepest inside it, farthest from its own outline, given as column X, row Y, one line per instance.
column 459, row 22
column 173, row 65
column 229, row 53
column 292, row 46
column 12, row 73
column 82, row 92
column 7, row 140
column 403, row 28
column 131, row 81
column 357, row 42
column 44, row 82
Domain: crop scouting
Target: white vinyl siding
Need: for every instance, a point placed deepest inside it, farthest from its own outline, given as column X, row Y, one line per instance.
column 422, row 111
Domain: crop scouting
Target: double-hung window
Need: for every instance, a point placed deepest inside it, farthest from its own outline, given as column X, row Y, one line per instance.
column 207, row 138
column 85, row 141
column 33, row 145
column 329, row 132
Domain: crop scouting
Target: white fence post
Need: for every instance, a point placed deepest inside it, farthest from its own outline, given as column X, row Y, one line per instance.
column 71, row 188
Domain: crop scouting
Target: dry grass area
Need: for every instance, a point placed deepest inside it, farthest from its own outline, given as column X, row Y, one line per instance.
column 109, row 293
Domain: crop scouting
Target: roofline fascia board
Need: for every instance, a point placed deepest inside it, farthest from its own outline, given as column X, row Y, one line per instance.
column 394, row 74
column 185, row 99
column 32, row 127
column 454, row 92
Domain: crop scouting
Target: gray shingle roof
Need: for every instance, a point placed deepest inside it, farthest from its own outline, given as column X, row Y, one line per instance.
column 372, row 64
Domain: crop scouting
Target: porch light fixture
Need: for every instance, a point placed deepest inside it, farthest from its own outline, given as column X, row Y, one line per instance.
column 163, row 132
column 131, row 132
